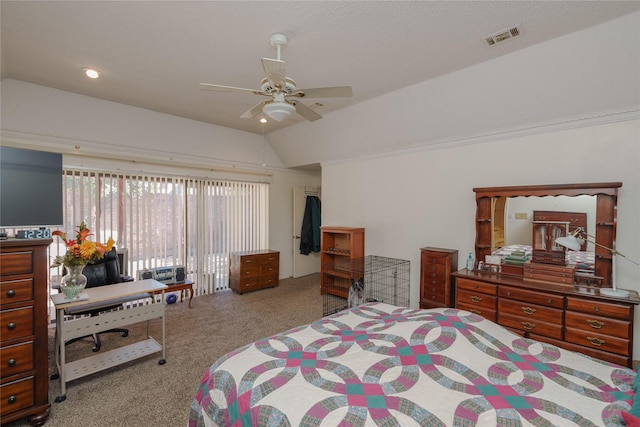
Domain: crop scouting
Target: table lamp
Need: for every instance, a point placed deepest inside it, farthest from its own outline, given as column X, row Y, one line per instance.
column 574, row 241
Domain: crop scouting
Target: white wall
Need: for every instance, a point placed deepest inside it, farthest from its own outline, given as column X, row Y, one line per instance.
column 425, row 198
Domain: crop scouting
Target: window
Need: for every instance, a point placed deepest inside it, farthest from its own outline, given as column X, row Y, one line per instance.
column 169, row 221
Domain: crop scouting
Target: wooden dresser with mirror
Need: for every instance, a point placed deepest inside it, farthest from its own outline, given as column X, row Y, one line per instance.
column 572, row 316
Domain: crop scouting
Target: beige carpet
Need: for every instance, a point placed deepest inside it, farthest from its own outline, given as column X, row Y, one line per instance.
column 143, row 393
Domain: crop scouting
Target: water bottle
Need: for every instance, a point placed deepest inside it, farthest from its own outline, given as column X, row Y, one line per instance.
column 470, row 262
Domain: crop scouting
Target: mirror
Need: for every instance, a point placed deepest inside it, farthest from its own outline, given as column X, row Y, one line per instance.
column 512, row 218
column 602, row 227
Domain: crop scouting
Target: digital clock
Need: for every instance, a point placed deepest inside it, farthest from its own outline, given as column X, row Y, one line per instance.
column 41, row 233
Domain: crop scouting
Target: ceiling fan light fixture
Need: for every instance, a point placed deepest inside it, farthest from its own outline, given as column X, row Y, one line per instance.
column 279, row 111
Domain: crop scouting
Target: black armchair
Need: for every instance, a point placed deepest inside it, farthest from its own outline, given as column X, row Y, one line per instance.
column 105, row 271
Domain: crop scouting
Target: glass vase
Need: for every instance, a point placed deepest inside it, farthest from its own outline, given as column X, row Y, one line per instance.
column 74, row 282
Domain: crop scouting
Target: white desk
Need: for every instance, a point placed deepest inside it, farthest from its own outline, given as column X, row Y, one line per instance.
column 67, row 330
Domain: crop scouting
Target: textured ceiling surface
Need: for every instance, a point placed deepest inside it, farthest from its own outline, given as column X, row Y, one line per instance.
column 154, row 54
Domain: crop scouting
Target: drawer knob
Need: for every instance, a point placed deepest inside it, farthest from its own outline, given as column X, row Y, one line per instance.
column 595, row 341
column 595, row 324
column 11, row 326
column 11, row 363
column 528, row 326
column 475, row 298
column 596, row 308
column 528, row 310
column 11, row 293
column 12, row 399
column 549, row 301
column 508, row 293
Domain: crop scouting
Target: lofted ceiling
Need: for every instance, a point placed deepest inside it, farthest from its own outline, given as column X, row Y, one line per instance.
column 154, row 54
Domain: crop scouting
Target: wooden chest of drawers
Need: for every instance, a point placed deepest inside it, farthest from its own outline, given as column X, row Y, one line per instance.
column 253, row 270
column 436, row 266
column 24, row 388
column 573, row 317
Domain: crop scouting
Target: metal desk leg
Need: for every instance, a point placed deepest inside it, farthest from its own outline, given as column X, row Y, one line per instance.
column 164, row 347
column 60, row 357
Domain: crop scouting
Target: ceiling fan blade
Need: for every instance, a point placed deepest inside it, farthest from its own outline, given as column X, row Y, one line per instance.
column 275, row 72
column 325, row 92
column 219, row 88
column 306, row 112
column 254, row 111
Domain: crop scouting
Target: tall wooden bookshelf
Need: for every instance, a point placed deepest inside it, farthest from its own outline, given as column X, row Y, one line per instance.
column 340, row 247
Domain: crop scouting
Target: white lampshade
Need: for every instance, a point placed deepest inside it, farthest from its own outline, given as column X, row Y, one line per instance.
column 278, row 111
column 570, row 242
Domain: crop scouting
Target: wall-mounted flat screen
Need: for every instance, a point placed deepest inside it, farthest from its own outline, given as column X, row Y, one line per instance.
column 30, row 188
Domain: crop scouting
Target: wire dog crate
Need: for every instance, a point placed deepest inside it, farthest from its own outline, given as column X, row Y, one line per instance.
column 370, row 279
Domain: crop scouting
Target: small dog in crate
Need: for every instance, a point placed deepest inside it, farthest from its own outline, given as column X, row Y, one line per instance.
column 356, row 293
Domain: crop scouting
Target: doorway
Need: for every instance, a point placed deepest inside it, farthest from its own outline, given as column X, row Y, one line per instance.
column 303, row 265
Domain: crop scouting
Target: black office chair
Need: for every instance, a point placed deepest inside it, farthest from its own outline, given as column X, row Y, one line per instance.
column 105, row 271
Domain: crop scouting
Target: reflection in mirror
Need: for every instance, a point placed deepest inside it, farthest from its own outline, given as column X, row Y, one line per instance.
column 513, row 216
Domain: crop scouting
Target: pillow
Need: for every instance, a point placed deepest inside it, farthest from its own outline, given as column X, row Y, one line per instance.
column 630, row 420
column 635, row 407
column 632, row 417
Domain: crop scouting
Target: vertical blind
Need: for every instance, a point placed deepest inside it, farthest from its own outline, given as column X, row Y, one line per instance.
column 168, row 221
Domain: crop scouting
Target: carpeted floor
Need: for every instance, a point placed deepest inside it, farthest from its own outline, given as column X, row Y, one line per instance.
column 142, row 393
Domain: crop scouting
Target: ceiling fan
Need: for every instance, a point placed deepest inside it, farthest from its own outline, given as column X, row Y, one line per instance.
column 282, row 90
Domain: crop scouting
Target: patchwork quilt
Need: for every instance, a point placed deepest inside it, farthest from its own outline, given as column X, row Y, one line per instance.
column 381, row 365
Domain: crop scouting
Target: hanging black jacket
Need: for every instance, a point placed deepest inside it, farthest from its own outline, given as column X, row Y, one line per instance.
column 310, row 233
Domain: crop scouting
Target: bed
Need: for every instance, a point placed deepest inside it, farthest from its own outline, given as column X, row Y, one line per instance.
column 381, row 365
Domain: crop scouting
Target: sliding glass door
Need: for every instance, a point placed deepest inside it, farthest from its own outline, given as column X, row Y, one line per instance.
column 169, row 221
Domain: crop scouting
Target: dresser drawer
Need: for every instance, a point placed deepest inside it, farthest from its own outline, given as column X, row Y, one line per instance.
column 475, row 299
column 583, row 305
column 555, row 301
column 438, row 271
column 246, row 284
column 249, row 271
column 618, row 359
column 16, row 359
column 435, row 258
column 16, row 291
column 271, row 259
column 16, row 395
column 269, row 270
column 533, row 312
column 16, row 263
column 270, row 280
column 475, row 286
column 598, row 341
column 16, row 323
column 251, row 260
column 530, row 325
column 487, row 313
column 434, row 294
column 599, row 324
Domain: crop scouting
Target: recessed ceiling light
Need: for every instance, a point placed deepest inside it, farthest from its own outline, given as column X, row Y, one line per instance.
column 91, row 73
column 263, row 120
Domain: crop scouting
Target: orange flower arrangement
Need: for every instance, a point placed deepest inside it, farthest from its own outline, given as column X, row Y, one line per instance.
column 81, row 251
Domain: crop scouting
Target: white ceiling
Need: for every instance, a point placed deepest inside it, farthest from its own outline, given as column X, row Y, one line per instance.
column 154, row 54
